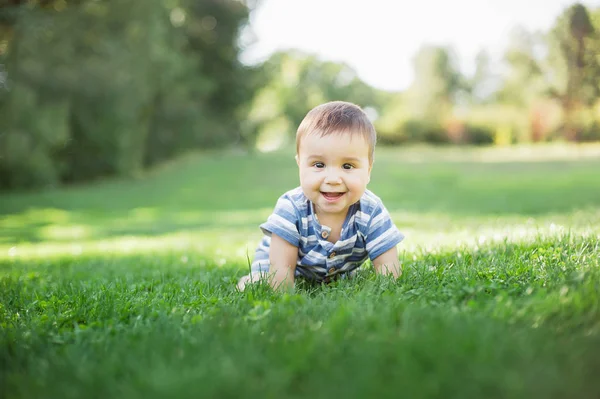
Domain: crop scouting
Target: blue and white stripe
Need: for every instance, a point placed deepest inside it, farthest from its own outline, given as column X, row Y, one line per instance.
column 368, row 232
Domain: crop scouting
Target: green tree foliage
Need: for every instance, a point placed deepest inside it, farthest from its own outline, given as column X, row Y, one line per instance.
column 561, row 66
column 437, row 83
column 523, row 77
column 100, row 88
column 593, row 77
column 574, row 67
column 523, row 85
column 421, row 113
column 481, row 86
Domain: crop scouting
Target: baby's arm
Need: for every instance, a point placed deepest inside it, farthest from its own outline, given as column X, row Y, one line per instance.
column 388, row 263
column 282, row 258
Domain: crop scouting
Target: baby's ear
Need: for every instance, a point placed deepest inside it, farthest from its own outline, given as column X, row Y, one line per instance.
column 297, row 160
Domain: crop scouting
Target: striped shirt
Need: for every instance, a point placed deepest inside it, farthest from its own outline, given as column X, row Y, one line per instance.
column 367, row 232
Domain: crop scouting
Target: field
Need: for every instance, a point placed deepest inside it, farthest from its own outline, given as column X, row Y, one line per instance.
column 126, row 288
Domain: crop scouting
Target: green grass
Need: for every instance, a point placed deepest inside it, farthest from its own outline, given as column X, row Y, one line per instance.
column 126, row 288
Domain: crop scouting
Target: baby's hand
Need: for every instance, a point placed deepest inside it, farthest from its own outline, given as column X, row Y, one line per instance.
column 251, row 278
column 241, row 285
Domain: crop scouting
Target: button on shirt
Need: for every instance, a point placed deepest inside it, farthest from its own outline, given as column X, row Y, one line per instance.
column 367, row 232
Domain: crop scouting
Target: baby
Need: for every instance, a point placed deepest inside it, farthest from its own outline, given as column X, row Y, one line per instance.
column 331, row 224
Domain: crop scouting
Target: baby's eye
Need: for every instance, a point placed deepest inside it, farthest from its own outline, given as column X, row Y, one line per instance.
column 319, row 165
column 348, row 166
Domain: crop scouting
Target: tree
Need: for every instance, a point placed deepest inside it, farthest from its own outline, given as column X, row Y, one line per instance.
column 437, row 83
column 523, row 75
column 107, row 88
column 482, row 85
column 574, row 68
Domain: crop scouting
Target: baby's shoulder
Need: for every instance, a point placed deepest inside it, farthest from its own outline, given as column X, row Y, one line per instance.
column 295, row 196
column 295, row 200
column 370, row 203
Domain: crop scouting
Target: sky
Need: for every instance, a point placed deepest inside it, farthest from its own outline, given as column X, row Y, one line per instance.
column 378, row 38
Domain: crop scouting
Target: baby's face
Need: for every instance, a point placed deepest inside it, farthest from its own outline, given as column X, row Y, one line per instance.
column 334, row 171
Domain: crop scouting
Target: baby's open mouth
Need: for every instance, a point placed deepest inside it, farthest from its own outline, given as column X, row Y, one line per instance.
column 331, row 196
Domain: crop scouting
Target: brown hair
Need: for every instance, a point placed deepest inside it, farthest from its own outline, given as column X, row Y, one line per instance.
column 338, row 117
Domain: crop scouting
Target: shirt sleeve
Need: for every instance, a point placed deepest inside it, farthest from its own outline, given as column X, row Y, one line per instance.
column 284, row 222
column 382, row 233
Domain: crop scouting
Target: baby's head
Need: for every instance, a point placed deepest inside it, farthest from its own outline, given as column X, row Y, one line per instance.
column 334, row 152
column 338, row 118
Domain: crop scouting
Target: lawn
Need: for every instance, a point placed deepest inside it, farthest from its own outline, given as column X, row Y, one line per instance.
column 125, row 288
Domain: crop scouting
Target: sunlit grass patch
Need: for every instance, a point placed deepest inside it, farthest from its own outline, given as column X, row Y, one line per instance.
column 223, row 244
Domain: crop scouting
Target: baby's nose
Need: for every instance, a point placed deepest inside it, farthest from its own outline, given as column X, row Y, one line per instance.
column 333, row 178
